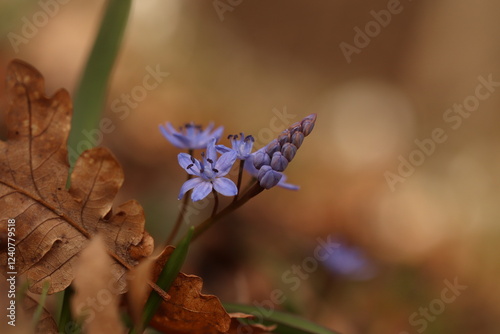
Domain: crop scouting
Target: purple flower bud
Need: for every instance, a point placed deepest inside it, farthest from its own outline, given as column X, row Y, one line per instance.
column 284, row 137
column 297, row 126
column 279, row 162
column 288, row 150
column 308, row 124
column 297, row 139
column 272, row 147
column 261, row 158
column 268, row 177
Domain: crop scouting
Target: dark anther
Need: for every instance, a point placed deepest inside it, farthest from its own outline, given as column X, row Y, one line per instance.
column 230, row 137
column 215, row 170
column 189, row 166
column 210, row 160
column 192, row 160
column 249, row 138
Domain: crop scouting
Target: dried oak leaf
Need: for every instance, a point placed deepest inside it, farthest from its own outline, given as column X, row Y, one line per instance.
column 46, row 324
column 188, row 310
column 53, row 224
column 20, row 320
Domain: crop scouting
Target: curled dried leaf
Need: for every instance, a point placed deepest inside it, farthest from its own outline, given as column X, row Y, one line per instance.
column 188, row 310
column 53, row 225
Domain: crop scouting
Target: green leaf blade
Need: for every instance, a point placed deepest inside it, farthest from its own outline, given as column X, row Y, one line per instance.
column 92, row 90
column 286, row 323
column 167, row 276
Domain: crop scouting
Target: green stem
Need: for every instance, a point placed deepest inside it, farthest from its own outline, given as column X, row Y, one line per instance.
column 65, row 317
column 167, row 277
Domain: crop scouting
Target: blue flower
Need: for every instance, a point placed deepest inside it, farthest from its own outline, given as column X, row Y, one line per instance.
column 190, row 136
column 209, row 173
column 350, row 262
column 241, row 145
column 268, row 176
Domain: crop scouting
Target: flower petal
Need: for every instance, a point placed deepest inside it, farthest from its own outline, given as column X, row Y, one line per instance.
column 188, row 185
column 169, row 135
column 225, row 186
column 201, row 190
column 246, row 150
column 186, row 141
column 185, row 160
column 249, row 167
column 284, row 184
column 225, row 162
column 217, row 132
column 222, row 149
column 211, row 152
column 171, row 128
column 207, row 130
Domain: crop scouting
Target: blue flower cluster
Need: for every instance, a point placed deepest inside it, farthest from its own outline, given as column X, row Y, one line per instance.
column 266, row 165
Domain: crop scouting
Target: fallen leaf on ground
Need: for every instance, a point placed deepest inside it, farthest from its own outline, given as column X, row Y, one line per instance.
column 187, row 310
column 53, row 224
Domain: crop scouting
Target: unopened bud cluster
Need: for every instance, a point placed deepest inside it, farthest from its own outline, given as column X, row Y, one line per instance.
column 273, row 159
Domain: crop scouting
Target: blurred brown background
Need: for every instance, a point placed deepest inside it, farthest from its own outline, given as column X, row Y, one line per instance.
column 239, row 68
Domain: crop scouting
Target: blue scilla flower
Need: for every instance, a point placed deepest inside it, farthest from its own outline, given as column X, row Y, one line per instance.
column 240, row 144
column 268, row 176
column 190, row 136
column 209, row 173
column 349, row 261
column 272, row 160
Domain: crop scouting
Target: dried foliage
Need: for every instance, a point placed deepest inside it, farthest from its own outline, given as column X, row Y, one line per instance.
column 55, row 224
